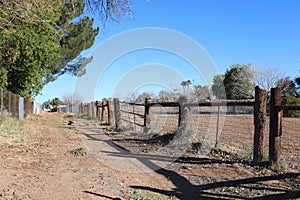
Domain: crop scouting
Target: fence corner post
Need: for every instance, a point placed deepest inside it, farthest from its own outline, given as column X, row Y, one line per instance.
column 260, row 114
column 275, row 126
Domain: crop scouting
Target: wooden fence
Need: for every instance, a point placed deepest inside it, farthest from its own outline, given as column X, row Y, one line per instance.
column 97, row 110
column 15, row 105
column 142, row 111
column 142, row 118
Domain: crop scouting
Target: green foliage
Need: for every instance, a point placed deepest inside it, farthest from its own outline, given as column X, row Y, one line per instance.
column 218, row 87
column 3, row 77
column 237, row 82
column 56, row 102
column 24, row 53
column 291, row 101
column 288, row 87
column 297, row 82
column 34, row 52
column 78, row 37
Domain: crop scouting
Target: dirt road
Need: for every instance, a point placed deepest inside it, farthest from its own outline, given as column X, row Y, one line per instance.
column 84, row 163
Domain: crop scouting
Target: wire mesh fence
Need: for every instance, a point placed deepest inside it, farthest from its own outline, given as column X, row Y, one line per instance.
column 290, row 144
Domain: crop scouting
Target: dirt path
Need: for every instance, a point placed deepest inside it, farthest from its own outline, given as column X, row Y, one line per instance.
column 52, row 167
column 47, row 169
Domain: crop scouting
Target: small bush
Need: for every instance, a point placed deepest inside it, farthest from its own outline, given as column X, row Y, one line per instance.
column 82, row 151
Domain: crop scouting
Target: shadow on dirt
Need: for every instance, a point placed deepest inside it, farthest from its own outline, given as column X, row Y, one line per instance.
column 186, row 190
column 210, row 191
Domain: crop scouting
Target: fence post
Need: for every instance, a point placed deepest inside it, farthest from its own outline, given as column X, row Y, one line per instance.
column 14, row 105
column 103, row 111
column 93, row 110
column 88, row 108
column 81, row 108
column 260, row 114
column 182, row 114
column 109, row 112
column 275, row 126
column 147, row 118
column 98, row 110
column 117, row 113
column 218, row 125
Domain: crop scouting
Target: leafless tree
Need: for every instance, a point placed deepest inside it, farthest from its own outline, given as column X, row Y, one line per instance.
column 69, row 99
column 44, row 12
column 267, row 77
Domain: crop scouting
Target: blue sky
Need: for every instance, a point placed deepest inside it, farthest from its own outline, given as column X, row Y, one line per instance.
column 265, row 33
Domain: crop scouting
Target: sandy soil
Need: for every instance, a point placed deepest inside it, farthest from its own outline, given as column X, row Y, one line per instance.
column 53, row 168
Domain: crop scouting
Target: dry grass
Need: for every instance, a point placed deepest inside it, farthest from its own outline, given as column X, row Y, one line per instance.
column 13, row 131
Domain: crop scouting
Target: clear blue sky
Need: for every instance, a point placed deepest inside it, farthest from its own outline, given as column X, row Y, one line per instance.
column 265, row 33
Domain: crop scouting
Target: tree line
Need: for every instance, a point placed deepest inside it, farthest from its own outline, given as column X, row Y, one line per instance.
column 237, row 83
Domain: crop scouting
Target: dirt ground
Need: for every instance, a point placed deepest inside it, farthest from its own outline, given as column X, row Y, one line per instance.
column 84, row 163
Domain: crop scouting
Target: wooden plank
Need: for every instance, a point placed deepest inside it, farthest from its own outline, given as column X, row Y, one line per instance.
column 132, row 104
column 279, row 108
column 130, row 112
column 207, row 104
column 165, row 104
